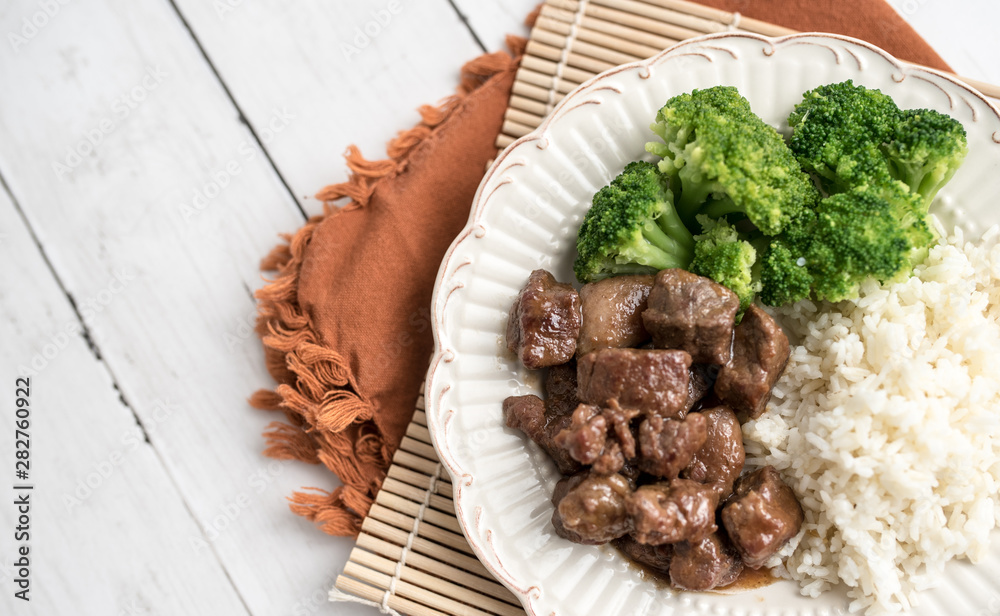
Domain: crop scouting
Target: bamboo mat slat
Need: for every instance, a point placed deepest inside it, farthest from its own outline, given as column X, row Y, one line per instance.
column 411, row 556
column 574, row 40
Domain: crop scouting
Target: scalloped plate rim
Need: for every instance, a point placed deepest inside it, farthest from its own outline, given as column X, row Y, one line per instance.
column 435, row 414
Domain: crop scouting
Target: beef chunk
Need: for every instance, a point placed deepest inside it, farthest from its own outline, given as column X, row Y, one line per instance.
column 620, row 447
column 586, row 436
column 631, row 471
column 760, row 353
column 681, row 510
column 666, row 446
column 701, row 377
column 706, row 564
column 525, row 413
column 560, row 395
column 720, row 460
column 650, row 381
column 544, row 322
column 612, row 313
column 600, row 437
column 560, row 389
column 590, row 508
column 691, row 313
column 531, row 416
column 762, row 516
column 656, row 557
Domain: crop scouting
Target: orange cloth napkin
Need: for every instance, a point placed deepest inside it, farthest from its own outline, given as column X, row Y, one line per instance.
column 345, row 323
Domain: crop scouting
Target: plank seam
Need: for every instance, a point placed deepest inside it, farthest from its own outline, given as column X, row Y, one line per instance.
column 113, row 379
column 468, row 26
column 241, row 117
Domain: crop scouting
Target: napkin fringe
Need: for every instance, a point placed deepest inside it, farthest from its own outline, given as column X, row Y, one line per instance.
column 328, row 421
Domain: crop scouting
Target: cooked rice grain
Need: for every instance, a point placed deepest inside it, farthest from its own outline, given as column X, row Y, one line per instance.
column 887, row 425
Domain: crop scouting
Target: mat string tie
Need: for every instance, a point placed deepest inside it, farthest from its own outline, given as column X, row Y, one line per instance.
column 735, row 23
column 338, row 596
column 564, row 56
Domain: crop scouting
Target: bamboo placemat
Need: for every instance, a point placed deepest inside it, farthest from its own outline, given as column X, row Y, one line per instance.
column 574, row 40
column 411, row 556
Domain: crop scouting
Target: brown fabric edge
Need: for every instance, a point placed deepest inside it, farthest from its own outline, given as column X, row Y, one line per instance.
column 326, row 420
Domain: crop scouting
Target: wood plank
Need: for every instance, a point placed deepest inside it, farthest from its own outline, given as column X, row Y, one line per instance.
column 493, row 21
column 129, row 76
column 350, row 72
column 108, row 527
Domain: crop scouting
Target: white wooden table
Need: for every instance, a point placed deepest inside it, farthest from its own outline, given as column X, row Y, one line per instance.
column 150, row 153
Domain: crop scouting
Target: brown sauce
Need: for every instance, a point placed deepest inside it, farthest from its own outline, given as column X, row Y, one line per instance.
column 749, row 579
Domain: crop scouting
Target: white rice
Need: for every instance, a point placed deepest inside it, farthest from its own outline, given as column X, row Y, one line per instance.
column 887, row 425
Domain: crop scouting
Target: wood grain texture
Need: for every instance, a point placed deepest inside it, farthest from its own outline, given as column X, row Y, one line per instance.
column 106, row 519
column 143, row 202
column 129, row 77
column 351, row 72
column 493, row 21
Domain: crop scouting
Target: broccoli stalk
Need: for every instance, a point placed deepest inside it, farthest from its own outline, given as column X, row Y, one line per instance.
column 725, row 159
column 632, row 228
column 720, row 254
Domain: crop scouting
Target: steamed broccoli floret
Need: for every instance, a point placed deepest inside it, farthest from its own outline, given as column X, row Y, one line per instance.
column 727, row 160
column 910, row 211
column 837, row 131
column 632, row 228
column 720, row 254
column 853, row 236
column 856, row 237
column 925, row 150
column 850, row 136
column 784, row 277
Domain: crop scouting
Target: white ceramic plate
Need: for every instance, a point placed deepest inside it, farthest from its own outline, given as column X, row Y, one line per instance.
column 526, row 216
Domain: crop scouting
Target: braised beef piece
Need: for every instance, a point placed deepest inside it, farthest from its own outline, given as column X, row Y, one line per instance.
column 612, row 313
column 600, row 437
column 586, row 435
column 691, row 313
column 631, row 471
column 650, row 381
column 706, row 564
column 701, row 378
column 531, row 415
column 666, row 446
column 544, row 322
column 720, row 460
column 590, row 508
column 760, row 353
column 621, row 448
column 681, row 510
column 560, row 389
column 762, row 516
column 656, row 557
column 620, row 422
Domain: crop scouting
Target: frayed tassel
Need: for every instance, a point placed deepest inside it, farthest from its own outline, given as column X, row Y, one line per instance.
column 287, row 442
column 328, row 420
